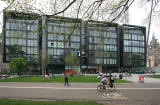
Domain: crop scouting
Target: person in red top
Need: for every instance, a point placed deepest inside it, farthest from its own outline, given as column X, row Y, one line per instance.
column 141, row 78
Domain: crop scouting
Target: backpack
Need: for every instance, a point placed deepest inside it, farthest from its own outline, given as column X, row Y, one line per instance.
column 112, row 79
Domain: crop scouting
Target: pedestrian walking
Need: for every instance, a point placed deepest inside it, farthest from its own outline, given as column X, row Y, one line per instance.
column 66, row 80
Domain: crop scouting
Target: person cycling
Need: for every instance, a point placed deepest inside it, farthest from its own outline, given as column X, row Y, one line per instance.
column 104, row 80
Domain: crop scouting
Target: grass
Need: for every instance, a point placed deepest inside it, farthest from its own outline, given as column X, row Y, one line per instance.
column 28, row 102
column 122, row 81
column 58, row 79
column 155, row 76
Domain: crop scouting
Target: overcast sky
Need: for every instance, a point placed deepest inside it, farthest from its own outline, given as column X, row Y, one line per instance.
column 137, row 14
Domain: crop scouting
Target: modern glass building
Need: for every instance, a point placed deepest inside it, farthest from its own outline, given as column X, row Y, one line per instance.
column 22, row 31
column 102, row 46
column 134, row 47
column 63, row 37
column 99, row 46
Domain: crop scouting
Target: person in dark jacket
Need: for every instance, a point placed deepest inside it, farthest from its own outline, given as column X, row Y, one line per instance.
column 66, row 80
column 111, row 79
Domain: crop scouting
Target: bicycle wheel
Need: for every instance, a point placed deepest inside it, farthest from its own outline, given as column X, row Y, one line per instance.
column 111, row 88
column 100, row 88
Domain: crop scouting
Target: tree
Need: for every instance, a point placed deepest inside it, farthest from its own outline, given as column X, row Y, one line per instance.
column 1, row 37
column 106, row 10
column 71, row 60
column 18, row 65
column 15, row 51
column 153, row 14
column 46, row 60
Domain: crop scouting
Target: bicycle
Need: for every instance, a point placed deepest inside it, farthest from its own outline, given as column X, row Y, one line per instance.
column 111, row 87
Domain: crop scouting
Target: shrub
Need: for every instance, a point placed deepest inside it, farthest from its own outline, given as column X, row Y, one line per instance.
column 18, row 65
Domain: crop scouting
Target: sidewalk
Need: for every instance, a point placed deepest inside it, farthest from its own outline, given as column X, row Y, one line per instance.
column 135, row 78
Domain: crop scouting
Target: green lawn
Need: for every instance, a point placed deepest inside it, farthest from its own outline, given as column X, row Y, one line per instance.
column 59, row 79
column 155, row 76
column 27, row 102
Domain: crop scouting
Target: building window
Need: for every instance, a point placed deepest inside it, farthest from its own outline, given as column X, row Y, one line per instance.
column 7, row 41
column 142, row 44
column 20, row 41
column 14, row 41
column 113, row 48
column 57, row 51
column 127, row 49
column 24, row 42
column 127, row 36
column 135, row 43
column 32, row 50
column 32, row 42
column 32, row 35
column 134, row 37
column 106, row 47
column 7, row 25
column 127, row 43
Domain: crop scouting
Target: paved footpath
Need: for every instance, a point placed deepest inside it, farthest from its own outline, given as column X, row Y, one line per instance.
column 135, row 78
column 126, row 93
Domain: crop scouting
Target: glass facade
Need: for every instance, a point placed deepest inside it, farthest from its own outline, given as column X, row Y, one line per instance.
column 64, row 36
column 102, row 44
column 134, row 53
column 96, row 44
column 24, row 34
